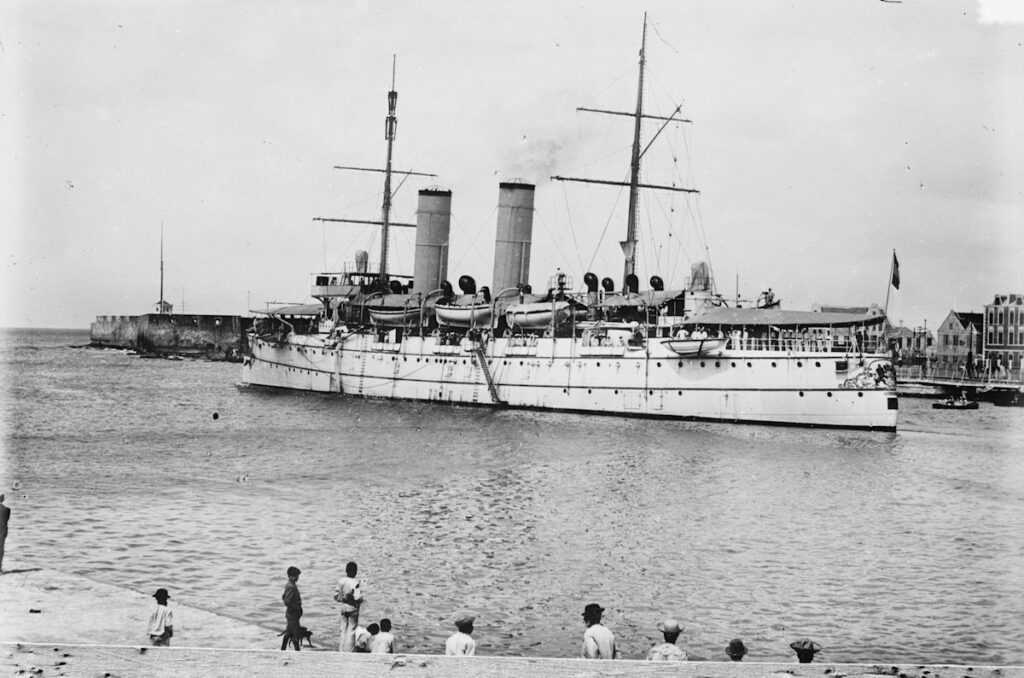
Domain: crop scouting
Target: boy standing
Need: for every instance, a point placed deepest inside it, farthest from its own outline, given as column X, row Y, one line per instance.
column 161, row 621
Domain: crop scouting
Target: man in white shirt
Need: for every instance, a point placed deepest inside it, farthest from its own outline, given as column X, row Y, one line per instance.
column 460, row 643
column 383, row 642
column 161, row 621
column 598, row 640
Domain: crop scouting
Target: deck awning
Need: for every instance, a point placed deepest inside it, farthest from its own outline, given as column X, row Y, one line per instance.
column 738, row 317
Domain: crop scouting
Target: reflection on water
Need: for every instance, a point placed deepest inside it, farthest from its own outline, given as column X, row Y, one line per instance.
column 881, row 547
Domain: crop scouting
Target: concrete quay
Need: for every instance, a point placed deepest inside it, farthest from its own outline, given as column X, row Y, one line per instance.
column 57, row 624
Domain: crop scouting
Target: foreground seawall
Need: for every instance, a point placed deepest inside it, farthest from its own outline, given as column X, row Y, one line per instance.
column 122, row 661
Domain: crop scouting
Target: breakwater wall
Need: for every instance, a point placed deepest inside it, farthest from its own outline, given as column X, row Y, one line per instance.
column 171, row 662
column 215, row 337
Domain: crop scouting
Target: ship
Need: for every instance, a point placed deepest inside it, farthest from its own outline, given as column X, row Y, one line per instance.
column 603, row 348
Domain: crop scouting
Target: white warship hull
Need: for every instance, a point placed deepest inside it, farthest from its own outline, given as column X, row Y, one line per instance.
column 802, row 388
column 292, row 365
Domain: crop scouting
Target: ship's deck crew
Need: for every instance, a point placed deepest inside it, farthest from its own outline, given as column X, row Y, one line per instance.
column 350, row 595
column 736, row 650
column 598, row 640
column 161, row 620
column 461, row 643
column 292, row 610
column 667, row 651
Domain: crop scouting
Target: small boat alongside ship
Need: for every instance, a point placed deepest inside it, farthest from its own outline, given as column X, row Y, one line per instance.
column 669, row 352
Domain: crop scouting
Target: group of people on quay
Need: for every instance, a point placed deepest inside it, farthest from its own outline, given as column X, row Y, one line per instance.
column 378, row 638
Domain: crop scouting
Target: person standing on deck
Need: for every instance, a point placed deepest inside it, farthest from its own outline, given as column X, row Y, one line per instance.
column 161, row 620
column 350, row 595
column 598, row 640
column 461, row 643
column 5, row 517
column 292, row 610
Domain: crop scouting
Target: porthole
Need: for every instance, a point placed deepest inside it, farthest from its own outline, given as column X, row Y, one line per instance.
column 801, row 394
column 616, row 391
column 733, row 364
column 589, row 391
column 680, row 393
column 817, row 364
column 702, row 363
column 718, row 364
column 773, row 364
column 829, row 394
column 750, row 364
column 799, row 364
column 598, row 364
column 680, row 363
column 565, row 390
column 659, row 364
column 860, row 394
column 650, row 393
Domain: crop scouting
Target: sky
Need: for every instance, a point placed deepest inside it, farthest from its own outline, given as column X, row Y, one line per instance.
column 826, row 135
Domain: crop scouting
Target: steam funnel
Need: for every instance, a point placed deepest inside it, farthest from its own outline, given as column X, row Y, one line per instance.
column 433, row 223
column 514, row 236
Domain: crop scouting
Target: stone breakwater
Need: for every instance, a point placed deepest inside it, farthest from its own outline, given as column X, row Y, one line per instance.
column 54, row 623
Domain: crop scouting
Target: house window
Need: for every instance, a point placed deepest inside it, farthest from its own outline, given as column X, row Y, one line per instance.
column 945, row 340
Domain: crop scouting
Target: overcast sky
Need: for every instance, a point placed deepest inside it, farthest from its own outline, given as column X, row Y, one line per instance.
column 825, row 135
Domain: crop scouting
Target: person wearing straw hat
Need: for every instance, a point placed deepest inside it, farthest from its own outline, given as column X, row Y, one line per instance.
column 598, row 640
column 736, row 650
column 461, row 643
column 805, row 650
column 667, row 651
column 161, row 620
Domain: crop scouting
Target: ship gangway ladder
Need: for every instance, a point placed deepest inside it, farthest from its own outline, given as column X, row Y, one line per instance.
column 481, row 359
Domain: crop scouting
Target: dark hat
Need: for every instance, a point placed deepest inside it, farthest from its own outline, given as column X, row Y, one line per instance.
column 736, row 648
column 294, row 571
column 805, row 645
column 161, row 593
column 592, row 609
column 464, row 620
column 670, row 626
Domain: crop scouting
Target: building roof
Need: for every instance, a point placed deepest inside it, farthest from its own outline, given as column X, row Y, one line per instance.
column 967, row 319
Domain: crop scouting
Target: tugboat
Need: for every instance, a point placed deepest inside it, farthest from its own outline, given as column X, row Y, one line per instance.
column 959, row 402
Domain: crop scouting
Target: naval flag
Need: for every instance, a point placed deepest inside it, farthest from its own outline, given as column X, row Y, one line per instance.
column 895, row 271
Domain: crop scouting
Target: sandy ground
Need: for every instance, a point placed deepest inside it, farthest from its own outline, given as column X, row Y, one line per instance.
column 40, row 605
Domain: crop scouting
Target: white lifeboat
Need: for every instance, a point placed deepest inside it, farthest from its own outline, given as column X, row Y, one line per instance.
column 537, row 315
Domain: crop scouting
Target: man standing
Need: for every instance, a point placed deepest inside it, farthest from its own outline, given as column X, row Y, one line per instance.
column 292, row 610
column 350, row 595
column 667, row 651
column 598, row 641
column 461, row 643
column 736, row 650
column 161, row 621
column 383, row 642
column 5, row 516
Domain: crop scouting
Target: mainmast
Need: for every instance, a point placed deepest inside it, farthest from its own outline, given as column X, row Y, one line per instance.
column 629, row 244
column 390, row 126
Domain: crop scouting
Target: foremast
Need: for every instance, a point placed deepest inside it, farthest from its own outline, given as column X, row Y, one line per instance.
column 390, row 128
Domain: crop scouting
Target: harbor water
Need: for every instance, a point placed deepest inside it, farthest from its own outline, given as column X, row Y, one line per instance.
column 881, row 547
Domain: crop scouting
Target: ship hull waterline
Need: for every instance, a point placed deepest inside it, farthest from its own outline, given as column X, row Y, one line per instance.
column 761, row 387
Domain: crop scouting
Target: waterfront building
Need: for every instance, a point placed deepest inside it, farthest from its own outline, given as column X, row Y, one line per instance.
column 913, row 346
column 959, row 333
column 1004, row 333
column 874, row 334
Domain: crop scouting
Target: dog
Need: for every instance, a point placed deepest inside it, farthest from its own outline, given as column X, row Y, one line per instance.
column 304, row 633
